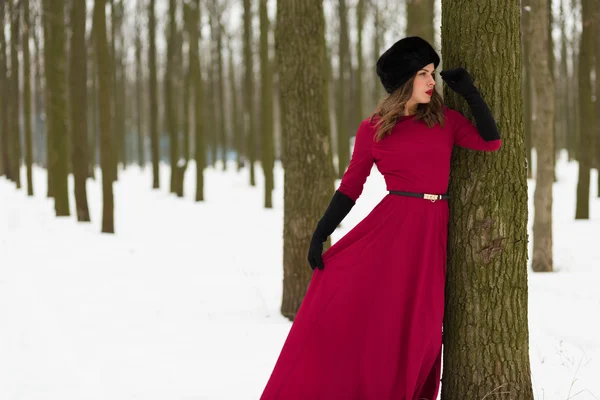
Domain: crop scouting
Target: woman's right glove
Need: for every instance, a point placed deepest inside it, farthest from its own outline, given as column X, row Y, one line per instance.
column 337, row 210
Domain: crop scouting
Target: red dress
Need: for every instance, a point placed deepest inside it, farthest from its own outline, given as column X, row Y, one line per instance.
column 370, row 325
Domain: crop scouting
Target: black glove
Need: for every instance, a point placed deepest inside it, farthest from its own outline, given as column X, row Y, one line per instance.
column 338, row 208
column 460, row 81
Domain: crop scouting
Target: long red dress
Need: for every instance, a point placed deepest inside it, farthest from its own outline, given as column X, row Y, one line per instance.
column 370, row 325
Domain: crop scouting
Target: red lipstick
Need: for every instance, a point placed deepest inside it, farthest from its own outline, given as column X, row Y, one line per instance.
column 429, row 92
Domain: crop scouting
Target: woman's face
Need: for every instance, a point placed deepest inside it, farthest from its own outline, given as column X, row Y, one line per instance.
column 423, row 85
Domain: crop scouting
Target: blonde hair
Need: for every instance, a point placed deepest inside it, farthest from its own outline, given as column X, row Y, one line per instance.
column 393, row 106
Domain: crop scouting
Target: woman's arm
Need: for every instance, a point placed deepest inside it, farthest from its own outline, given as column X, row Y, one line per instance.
column 487, row 137
column 469, row 136
column 361, row 162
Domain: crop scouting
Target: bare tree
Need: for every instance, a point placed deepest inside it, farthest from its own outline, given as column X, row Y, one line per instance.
column 56, row 105
column 5, row 165
column 586, row 109
column 543, row 132
column 14, row 98
column 266, row 109
column 27, row 96
column 79, row 123
column 153, row 112
column 249, row 112
column 104, row 88
column 486, row 281
column 300, row 48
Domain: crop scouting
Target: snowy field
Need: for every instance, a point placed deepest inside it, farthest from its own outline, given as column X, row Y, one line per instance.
column 183, row 302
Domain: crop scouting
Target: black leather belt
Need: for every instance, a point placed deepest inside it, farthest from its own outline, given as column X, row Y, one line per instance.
column 426, row 196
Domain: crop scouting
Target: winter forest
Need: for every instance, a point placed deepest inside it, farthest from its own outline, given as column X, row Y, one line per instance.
column 163, row 164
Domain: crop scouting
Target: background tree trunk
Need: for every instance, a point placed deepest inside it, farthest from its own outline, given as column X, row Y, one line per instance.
column 574, row 112
column 342, row 87
column 79, row 123
column 56, row 105
column 266, row 109
column 597, row 23
column 4, row 130
column 419, row 19
column 104, row 88
column 486, row 286
column 249, row 123
column 170, row 98
column 378, row 90
column 586, row 110
column 358, row 92
column 27, row 97
column 527, row 87
column 153, row 112
column 220, row 86
column 195, row 70
column 14, row 99
column 543, row 132
column 561, row 86
column 139, row 85
column 238, row 132
column 300, row 42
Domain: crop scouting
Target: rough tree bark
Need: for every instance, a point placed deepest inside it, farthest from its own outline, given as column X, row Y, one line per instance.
column 300, row 48
column 486, row 339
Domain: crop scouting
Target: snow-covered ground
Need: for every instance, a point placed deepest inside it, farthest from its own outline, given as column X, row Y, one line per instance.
column 183, row 301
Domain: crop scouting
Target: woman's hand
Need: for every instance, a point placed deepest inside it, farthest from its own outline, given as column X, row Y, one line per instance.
column 459, row 80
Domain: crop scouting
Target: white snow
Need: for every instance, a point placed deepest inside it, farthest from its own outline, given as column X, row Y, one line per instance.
column 183, row 301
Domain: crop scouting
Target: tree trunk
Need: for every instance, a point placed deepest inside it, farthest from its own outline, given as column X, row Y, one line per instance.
column 27, row 97
column 38, row 97
column 249, row 123
column 543, row 132
column 238, row 133
column 527, row 86
column 344, row 66
column 5, row 165
column 586, row 110
column 93, row 109
column 104, row 88
column 419, row 19
column 56, row 88
column 378, row 90
column 139, row 84
column 50, row 163
column 154, row 140
column 169, row 95
column 198, row 106
column 15, row 126
column 573, row 92
column 486, row 339
column 211, row 103
column 597, row 22
column 266, row 109
column 118, row 102
column 300, row 42
column 222, row 138
column 562, row 101
column 358, row 94
column 79, row 123
column 187, row 91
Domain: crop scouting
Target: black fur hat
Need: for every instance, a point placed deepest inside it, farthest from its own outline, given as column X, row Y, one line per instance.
column 403, row 60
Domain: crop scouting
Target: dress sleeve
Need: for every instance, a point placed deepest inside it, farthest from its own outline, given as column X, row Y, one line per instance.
column 361, row 162
column 466, row 134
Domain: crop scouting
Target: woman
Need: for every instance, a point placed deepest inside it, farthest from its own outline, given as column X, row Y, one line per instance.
column 370, row 325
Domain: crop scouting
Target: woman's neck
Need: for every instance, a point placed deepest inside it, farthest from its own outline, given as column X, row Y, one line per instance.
column 410, row 109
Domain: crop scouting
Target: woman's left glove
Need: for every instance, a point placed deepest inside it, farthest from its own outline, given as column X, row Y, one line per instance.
column 459, row 80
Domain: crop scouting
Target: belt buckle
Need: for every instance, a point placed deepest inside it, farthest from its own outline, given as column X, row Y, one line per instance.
column 432, row 197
